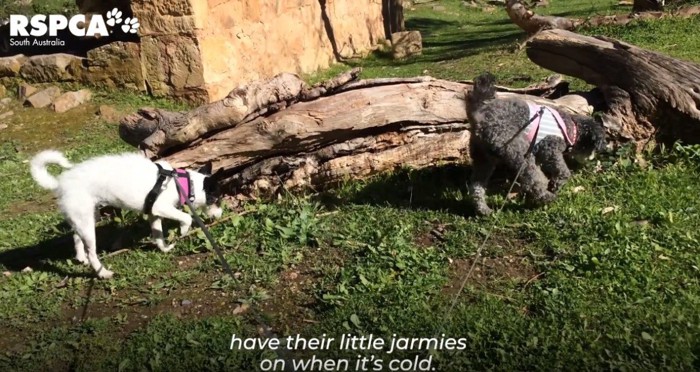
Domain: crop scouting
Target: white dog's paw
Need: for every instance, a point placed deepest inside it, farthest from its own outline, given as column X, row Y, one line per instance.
column 168, row 248
column 184, row 229
column 214, row 212
column 82, row 259
column 105, row 274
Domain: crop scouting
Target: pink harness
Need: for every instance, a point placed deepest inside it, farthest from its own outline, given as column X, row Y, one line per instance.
column 184, row 181
column 543, row 129
column 181, row 176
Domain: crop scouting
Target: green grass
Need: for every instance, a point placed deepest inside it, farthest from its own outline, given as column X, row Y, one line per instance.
column 8, row 7
column 607, row 277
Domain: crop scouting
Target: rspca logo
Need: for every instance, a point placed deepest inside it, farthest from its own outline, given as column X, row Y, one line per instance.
column 23, row 28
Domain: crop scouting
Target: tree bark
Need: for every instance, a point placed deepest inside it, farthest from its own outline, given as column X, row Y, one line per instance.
column 648, row 94
column 350, row 129
column 392, row 12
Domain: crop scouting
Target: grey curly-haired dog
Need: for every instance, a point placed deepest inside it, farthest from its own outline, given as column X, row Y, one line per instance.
column 501, row 135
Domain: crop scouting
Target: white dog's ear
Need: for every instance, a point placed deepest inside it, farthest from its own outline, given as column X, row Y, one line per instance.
column 206, row 169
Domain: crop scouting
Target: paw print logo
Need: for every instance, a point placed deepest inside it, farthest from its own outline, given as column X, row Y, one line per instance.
column 131, row 25
column 114, row 17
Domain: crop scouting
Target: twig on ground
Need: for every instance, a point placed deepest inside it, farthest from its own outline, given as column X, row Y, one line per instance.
column 532, row 280
column 112, row 254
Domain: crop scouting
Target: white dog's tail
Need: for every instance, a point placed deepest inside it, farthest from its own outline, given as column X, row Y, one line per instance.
column 40, row 173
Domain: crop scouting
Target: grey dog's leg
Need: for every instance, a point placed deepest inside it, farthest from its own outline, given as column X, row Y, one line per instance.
column 482, row 169
column 533, row 180
column 550, row 155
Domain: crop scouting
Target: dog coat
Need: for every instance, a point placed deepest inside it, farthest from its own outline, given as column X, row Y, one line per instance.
column 550, row 123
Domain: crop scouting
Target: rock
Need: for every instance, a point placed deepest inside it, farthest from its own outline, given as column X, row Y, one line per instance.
column 406, row 44
column 52, row 67
column 183, row 53
column 240, row 309
column 109, row 114
column 116, row 64
column 6, row 115
column 10, row 66
column 3, row 126
column 186, row 303
column 3, row 91
column 43, row 98
column 25, row 91
column 6, row 273
column 27, row 270
column 69, row 100
column 439, row 8
column 5, row 101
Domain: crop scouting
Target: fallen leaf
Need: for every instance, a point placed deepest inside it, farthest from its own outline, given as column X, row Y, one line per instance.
column 240, row 309
column 578, row 189
column 607, row 210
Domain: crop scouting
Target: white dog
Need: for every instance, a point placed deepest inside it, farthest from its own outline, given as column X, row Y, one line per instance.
column 123, row 181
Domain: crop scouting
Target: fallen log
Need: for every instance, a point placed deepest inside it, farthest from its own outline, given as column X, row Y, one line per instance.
column 649, row 94
column 354, row 130
column 158, row 130
column 532, row 23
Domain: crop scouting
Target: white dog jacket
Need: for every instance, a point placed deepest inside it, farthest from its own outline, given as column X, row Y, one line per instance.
column 549, row 123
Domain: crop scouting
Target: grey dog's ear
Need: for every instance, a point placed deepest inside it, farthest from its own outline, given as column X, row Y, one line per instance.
column 206, row 169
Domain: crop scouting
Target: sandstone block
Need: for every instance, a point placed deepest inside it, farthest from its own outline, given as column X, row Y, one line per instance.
column 406, row 44
column 109, row 114
column 25, row 90
column 182, row 57
column 10, row 66
column 69, row 100
column 51, row 67
column 43, row 98
column 115, row 65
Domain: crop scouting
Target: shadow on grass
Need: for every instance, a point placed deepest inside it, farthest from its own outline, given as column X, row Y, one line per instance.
column 445, row 40
column 44, row 255
column 438, row 188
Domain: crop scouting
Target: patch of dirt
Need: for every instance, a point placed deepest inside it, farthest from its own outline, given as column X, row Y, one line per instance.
column 37, row 129
column 292, row 304
column 43, row 204
column 433, row 235
column 132, row 309
column 489, row 271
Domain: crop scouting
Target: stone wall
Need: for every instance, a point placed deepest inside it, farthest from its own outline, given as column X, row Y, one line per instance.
column 199, row 50
column 243, row 40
